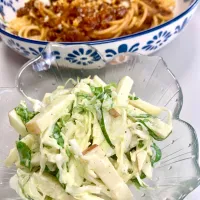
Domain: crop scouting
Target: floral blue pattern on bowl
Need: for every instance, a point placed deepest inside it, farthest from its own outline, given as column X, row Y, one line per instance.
column 157, row 40
column 123, row 48
column 9, row 3
column 83, row 57
column 181, row 27
column 17, row 47
column 145, row 42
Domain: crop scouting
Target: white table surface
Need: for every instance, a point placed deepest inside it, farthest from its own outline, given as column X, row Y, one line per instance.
column 182, row 57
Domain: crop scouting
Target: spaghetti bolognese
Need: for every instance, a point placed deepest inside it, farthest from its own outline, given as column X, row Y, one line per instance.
column 88, row 20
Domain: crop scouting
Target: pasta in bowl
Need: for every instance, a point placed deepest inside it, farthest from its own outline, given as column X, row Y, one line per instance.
column 75, row 21
column 110, row 26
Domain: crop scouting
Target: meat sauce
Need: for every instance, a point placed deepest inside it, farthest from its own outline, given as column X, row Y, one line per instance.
column 81, row 19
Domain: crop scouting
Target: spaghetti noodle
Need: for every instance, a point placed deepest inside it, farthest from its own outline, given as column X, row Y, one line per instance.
column 87, row 20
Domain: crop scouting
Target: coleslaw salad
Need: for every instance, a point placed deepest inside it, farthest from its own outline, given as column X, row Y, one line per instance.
column 90, row 142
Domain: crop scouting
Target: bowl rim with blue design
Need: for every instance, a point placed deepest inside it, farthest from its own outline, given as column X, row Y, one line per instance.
column 97, row 42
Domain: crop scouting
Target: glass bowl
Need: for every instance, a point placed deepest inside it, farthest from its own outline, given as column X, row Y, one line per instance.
column 178, row 172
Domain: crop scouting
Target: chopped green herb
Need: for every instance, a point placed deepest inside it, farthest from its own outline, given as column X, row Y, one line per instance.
column 114, row 157
column 136, row 183
column 68, row 152
column 83, row 95
column 48, row 198
column 142, row 176
column 53, row 173
column 157, row 154
column 47, row 146
column 57, row 175
column 82, row 109
column 145, row 120
column 92, row 89
column 133, row 149
column 103, row 128
column 108, row 92
column 151, row 132
column 63, row 120
column 140, row 144
column 24, row 114
column 97, row 91
column 24, row 154
column 57, row 136
column 130, row 171
column 128, row 156
column 133, row 97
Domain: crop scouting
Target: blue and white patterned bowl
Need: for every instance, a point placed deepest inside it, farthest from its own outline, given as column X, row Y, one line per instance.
column 145, row 42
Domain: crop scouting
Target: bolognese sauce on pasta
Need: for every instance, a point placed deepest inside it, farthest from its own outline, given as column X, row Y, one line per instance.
column 88, row 20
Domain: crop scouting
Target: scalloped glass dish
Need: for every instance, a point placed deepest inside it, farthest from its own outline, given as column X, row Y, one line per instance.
column 178, row 172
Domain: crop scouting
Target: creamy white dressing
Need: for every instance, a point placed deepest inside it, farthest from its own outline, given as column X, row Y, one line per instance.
column 75, row 147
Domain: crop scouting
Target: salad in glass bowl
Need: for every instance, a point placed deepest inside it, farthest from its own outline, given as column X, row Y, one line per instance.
column 106, row 133
column 89, row 141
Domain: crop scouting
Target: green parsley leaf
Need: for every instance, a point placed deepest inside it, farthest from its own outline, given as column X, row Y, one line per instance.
column 140, row 144
column 157, row 154
column 57, row 135
column 24, row 154
column 24, row 113
column 103, row 128
column 133, row 97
